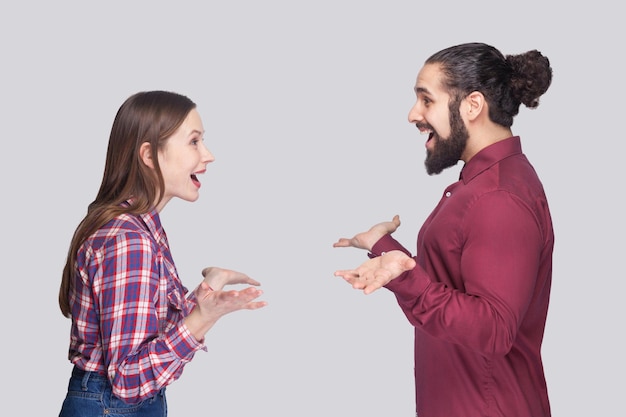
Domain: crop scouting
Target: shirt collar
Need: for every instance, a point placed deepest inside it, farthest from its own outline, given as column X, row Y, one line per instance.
column 152, row 220
column 490, row 156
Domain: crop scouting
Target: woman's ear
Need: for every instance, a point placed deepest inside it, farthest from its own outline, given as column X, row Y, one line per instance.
column 145, row 153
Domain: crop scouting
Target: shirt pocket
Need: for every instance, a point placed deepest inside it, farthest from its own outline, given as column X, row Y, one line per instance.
column 175, row 290
column 171, row 301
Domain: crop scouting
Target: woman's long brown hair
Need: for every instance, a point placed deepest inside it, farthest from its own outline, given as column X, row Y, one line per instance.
column 152, row 117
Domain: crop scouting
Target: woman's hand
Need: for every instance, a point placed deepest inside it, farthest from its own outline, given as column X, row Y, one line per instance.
column 212, row 302
column 215, row 304
column 218, row 278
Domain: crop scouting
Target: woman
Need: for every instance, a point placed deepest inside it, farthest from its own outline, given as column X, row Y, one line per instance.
column 134, row 325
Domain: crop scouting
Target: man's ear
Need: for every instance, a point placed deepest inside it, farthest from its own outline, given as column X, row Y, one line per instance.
column 475, row 103
column 145, row 153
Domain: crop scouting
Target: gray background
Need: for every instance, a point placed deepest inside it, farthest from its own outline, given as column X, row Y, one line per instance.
column 305, row 107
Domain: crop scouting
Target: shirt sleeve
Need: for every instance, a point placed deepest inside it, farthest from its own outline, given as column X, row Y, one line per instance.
column 413, row 283
column 139, row 355
column 499, row 263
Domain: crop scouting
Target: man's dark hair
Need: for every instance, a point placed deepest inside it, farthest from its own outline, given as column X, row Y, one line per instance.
column 506, row 82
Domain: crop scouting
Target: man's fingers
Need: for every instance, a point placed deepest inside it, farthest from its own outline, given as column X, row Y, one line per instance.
column 409, row 264
column 347, row 273
column 342, row 243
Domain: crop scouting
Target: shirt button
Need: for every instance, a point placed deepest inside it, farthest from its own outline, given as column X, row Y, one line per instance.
column 448, row 193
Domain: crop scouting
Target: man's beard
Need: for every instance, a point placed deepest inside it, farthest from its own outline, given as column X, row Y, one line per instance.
column 447, row 151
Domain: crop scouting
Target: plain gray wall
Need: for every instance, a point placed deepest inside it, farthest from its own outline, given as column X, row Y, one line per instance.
column 305, row 107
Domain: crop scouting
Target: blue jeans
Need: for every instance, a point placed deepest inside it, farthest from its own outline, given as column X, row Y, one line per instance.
column 89, row 395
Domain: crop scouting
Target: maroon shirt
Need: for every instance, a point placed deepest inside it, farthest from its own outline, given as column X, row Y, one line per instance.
column 478, row 297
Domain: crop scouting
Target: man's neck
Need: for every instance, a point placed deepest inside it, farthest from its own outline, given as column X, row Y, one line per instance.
column 482, row 138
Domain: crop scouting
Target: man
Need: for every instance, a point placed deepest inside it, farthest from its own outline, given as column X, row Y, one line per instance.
column 477, row 290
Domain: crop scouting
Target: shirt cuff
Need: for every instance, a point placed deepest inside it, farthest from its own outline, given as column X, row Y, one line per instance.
column 183, row 343
column 385, row 244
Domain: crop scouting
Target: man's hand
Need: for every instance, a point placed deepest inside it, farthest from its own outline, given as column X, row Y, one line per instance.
column 377, row 272
column 366, row 240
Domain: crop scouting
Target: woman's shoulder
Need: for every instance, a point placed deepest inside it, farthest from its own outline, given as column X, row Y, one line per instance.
column 124, row 227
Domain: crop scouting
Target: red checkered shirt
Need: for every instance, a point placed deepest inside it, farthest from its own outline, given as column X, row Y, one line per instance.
column 128, row 305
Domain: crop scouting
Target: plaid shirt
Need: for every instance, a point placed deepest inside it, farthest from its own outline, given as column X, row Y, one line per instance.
column 128, row 306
